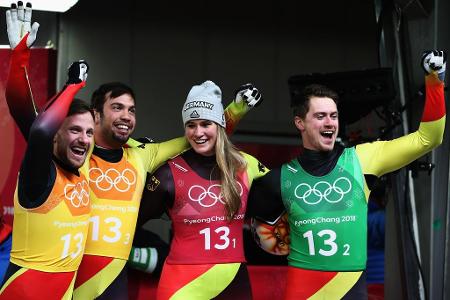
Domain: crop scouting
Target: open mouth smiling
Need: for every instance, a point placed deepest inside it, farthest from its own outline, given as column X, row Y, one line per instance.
column 78, row 151
column 327, row 134
column 199, row 142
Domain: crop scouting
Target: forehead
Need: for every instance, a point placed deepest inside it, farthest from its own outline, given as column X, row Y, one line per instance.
column 125, row 100
column 322, row 104
column 83, row 120
column 200, row 121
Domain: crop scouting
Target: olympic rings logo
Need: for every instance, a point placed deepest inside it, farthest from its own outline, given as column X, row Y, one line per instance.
column 77, row 194
column 112, row 178
column 198, row 193
column 332, row 193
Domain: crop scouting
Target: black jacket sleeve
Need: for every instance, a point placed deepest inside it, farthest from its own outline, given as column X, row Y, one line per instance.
column 159, row 193
column 265, row 202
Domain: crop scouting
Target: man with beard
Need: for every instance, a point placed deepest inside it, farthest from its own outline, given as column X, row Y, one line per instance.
column 325, row 191
column 51, row 202
column 117, row 174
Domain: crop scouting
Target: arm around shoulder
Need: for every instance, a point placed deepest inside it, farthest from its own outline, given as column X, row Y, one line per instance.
column 158, row 153
column 158, row 194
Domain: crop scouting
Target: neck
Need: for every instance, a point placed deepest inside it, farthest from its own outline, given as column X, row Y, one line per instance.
column 65, row 166
column 110, row 155
column 203, row 158
column 319, row 152
column 102, row 142
column 319, row 163
column 204, row 166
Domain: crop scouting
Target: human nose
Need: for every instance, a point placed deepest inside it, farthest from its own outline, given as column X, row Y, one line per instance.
column 198, row 131
column 84, row 139
column 328, row 120
column 125, row 115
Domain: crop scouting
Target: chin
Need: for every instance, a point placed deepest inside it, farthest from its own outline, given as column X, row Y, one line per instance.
column 204, row 152
column 76, row 164
column 327, row 148
column 121, row 139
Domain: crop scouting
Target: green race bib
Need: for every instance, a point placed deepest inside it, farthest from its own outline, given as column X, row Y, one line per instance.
column 327, row 215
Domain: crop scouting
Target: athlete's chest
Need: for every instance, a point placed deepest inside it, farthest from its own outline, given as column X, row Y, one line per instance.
column 115, row 180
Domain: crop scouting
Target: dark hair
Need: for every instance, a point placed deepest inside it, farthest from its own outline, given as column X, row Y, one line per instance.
column 78, row 106
column 111, row 89
column 309, row 91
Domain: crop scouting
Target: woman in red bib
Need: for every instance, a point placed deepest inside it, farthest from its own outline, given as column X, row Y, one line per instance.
column 204, row 191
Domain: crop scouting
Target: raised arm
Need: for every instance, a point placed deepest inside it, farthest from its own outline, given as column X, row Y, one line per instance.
column 18, row 94
column 55, row 111
column 37, row 167
column 382, row 157
column 247, row 97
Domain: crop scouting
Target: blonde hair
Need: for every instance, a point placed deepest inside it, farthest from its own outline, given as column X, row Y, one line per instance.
column 230, row 162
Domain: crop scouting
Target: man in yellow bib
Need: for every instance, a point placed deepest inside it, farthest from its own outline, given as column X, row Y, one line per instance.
column 51, row 202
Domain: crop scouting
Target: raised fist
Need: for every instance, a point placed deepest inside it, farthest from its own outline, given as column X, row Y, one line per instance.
column 249, row 94
column 435, row 61
column 77, row 72
column 18, row 24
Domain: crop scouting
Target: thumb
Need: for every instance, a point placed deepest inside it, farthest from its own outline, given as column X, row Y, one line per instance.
column 33, row 33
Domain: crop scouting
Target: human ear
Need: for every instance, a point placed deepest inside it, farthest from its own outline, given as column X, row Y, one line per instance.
column 97, row 117
column 299, row 123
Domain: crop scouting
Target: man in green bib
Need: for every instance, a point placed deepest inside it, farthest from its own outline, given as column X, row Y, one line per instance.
column 325, row 190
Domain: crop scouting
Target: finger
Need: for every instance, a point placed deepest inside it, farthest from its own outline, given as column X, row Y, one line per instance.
column 85, row 64
column 35, row 28
column 243, row 88
column 247, row 93
column 20, row 11
column 33, row 33
column 84, row 67
column 8, row 19
column 259, row 100
column 248, row 86
column 28, row 11
column 26, row 23
column 13, row 12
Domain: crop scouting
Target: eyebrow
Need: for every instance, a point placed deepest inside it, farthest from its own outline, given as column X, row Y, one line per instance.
column 325, row 113
column 122, row 105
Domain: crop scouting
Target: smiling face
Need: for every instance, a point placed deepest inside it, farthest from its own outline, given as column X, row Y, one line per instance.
column 115, row 124
column 202, row 136
column 73, row 139
column 319, row 128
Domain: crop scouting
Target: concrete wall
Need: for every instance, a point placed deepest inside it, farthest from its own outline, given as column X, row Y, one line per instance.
column 163, row 49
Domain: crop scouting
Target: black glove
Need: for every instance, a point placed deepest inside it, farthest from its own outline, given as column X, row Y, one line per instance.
column 435, row 61
column 249, row 94
column 77, row 72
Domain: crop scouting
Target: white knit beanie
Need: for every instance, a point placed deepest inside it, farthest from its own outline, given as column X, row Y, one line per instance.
column 204, row 101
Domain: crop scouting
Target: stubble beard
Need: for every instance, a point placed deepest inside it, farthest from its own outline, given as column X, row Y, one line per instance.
column 120, row 139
